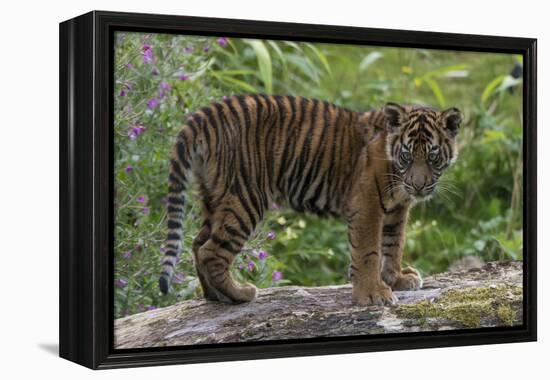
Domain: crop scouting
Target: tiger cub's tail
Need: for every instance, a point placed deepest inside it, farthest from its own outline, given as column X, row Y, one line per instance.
column 182, row 155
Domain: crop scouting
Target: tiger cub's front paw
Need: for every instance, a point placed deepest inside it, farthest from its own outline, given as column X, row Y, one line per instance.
column 380, row 294
column 408, row 279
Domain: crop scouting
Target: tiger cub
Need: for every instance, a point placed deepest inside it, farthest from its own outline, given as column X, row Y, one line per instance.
column 246, row 152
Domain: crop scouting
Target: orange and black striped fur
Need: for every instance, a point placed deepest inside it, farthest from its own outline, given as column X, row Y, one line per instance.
column 246, row 152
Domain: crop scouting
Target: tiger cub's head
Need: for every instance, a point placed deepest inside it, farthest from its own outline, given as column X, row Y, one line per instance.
column 421, row 144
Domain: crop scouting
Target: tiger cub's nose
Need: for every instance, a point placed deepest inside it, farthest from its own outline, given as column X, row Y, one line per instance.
column 419, row 186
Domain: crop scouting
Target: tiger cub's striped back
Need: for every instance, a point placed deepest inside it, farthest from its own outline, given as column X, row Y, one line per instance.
column 249, row 151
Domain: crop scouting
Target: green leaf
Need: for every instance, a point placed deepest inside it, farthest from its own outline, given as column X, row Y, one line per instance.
column 264, row 63
column 508, row 82
column 443, row 71
column 236, row 72
column 321, row 57
column 492, row 136
column 372, row 57
column 305, row 66
column 239, row 83
column 203, row 68
column 293, row 45
column 436, row 91
column 490, row 88
column 479, row 245
column 508, row 247
column 275, row 46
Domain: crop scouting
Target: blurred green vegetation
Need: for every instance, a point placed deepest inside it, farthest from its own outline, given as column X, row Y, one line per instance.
column 159, row 78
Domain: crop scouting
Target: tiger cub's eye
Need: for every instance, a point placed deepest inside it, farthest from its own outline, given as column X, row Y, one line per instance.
column 433, row 156
column 406, row 156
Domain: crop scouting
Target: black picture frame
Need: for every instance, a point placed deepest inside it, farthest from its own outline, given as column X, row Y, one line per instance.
column 86, row 188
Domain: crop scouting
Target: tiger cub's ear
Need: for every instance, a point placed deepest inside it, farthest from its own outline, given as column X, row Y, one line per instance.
column 395, row 116
column 451, row 119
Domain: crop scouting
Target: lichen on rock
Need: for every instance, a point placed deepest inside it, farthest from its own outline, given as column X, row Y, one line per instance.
column 469, row 307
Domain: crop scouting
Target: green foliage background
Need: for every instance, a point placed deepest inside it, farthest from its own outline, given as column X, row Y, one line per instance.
column 159, row 78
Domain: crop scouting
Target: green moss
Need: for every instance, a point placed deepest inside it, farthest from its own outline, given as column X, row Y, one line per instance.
column 467, row 307
column 506, row 314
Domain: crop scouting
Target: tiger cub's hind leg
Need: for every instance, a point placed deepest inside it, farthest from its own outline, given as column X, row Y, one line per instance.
column 200, row 239
column 215, row 256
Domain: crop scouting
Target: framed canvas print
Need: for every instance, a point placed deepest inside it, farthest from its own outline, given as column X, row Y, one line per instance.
column 238, row 189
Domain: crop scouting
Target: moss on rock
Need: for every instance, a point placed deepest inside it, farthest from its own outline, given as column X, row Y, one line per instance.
column 467, row 307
